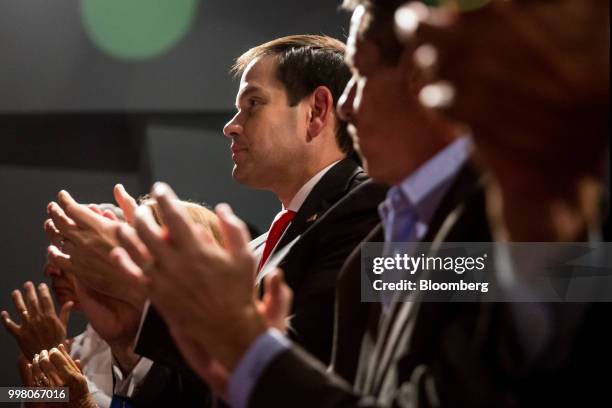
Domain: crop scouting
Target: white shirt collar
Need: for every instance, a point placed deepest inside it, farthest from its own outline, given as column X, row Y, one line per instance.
column 296, row 203
column 126, row 384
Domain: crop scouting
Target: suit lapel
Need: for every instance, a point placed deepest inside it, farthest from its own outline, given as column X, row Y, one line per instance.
column 333, row 185
column 258, row 242
column 257, row 246
column 273, row 261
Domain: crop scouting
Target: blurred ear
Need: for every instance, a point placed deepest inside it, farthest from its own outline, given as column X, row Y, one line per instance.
column 414, row 77
column 322, row 111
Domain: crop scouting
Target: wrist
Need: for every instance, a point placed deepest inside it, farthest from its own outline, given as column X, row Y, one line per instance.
column 83, row 402
column 238, row 337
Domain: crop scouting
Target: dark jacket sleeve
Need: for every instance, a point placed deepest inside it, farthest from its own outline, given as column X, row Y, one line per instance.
column 295, row 379
column 155, row 342
column 170, row 380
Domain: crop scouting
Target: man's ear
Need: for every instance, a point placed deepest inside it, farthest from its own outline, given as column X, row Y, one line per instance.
column 321, row 111
column 414, row 78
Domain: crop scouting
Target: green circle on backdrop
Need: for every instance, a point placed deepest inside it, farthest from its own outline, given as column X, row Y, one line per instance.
column 137, row 29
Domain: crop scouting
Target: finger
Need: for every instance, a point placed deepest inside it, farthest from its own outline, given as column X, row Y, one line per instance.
column 440, row 32
column 25, row 371
column 48, row 368
column 62, row 222
column 10, row 325
column 68, row 344
column 64, row 315
column 31, row 298
column 67, row 247
column 124, row 263
column 37, row 374
column 234, row 230
column 18, row 301
column 94, row 208
column 73, row 363
column 52, row 232
column 30, row 376
column 64, row 364
column 205, row 236
column 151, row 234
column 126, row 202
column 175, row 217
column 110, row 215
column 81, row 215
column 58, row 258
column 46, row 303
column 128, row 239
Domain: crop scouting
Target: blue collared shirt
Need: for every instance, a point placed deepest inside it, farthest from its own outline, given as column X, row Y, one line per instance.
column 263, row 350
column 406, row 214
column 409, row 207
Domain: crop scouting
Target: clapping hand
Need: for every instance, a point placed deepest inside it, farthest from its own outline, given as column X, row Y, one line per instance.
column 41, row 328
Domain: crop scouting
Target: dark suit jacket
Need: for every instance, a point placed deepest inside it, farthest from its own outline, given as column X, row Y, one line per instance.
column 409, row 335
column 353, row 317
column 451, row 354
column 165, row 387
column 294, row 379
column 334, row 218
column 347, row 211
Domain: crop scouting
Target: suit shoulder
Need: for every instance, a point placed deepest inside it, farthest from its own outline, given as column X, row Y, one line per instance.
column 366, row 194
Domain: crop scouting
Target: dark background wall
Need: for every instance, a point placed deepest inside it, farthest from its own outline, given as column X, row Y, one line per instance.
column 74, row 117
column 49, row 60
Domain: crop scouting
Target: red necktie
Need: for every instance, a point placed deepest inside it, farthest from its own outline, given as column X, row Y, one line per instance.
column 276, row 231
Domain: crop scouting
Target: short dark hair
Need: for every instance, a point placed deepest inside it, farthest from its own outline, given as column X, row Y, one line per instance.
column 304, row 63
column 379, row 25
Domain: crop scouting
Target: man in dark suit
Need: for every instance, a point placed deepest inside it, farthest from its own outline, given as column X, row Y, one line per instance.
column 286, row 138
column 459, row 218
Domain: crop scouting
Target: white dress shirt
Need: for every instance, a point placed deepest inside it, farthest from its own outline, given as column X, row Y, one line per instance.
column 96, row 362
column 294, row 205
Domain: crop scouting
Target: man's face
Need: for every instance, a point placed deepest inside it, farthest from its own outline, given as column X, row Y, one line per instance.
column 267, row 134
column 382, row 109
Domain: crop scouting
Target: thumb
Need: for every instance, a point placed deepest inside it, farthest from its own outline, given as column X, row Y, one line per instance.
column 278, row 297
column 25, row 371
column 126, row 202
column 64, row 315
column 58, row 258
column 234, row 231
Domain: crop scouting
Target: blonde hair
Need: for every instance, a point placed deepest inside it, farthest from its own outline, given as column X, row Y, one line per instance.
column 199, row 214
